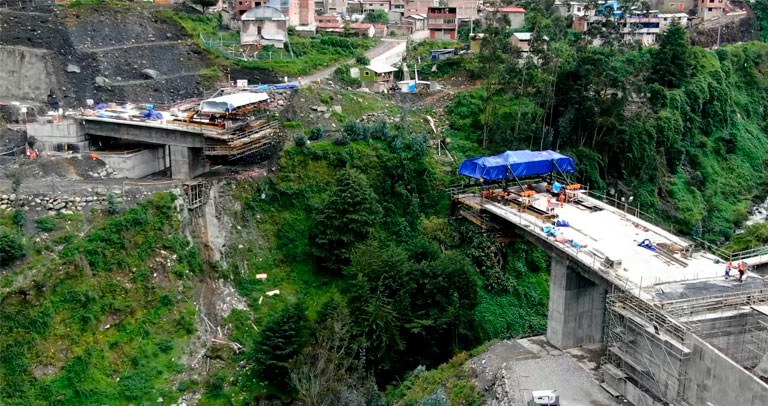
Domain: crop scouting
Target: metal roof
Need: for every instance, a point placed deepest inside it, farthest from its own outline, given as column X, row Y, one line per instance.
column 264, row 13
column 230, row 102
column 381, row 68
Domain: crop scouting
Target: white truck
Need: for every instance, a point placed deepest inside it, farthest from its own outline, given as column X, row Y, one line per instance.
column 545, row 397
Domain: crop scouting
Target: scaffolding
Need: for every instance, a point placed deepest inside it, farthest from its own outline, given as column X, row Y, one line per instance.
column 647, row 346
column 736, row 324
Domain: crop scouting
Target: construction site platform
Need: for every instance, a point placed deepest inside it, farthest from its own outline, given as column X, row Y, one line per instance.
column 608, row 240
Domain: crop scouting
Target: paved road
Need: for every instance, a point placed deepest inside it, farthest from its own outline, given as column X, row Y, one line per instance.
column 380, row 48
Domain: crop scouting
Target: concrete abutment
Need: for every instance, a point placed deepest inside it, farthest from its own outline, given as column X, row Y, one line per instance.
column 576, row 306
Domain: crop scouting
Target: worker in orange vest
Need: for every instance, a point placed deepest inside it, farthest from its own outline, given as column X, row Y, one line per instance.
column 94, row 156
column 561, row 199
column 728, row 267
column 742, row 270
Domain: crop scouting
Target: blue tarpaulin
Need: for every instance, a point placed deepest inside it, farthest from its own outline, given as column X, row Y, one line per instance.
column 152, row 115
column 517, row 164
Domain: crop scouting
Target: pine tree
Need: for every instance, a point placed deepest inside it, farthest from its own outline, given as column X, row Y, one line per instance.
column 281, row 340
column 672, row 63
column 347, row 218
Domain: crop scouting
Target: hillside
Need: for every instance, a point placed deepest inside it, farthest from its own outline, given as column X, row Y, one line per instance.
column 336, row 273
column 102, row 52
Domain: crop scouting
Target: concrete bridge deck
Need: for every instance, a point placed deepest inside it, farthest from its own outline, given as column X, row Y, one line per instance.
column 604, row 231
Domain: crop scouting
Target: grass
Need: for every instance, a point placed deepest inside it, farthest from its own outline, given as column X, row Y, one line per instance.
column 301, row 56
column 104, row 325
column 312, row 54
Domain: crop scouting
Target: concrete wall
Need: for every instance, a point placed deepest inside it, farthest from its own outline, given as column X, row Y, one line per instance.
column 715, row 379
column 63, row 132
column 576, row 307
column 136, row 165
column 26, row 74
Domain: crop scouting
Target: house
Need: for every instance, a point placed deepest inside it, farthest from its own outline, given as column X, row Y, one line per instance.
column 667, row 19
column 441, row 23
column 362, row 29
column 709, row 9
column 241, row 6
column 523, row 40
column 419, row 21
column 330, row 7
column 378, row 78
column 331, row 27
column 374, row 5
column 516, row 15
column 340, row 28
column 327, row 18
column 380, row 30
column 571, row 8
column 306, row 12
column 264, row 25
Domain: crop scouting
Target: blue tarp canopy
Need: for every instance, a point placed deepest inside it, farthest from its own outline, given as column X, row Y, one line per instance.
column 517, row 164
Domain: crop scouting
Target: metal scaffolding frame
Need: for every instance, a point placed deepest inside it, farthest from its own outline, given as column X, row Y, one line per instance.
column 646, row 345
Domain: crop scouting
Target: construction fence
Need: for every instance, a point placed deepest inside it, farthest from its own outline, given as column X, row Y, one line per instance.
column 230, row 47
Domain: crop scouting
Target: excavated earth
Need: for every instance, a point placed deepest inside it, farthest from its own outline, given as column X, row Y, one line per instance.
column 103, row 53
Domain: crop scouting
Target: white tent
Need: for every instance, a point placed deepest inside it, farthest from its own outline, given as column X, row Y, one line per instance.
column 231, row 102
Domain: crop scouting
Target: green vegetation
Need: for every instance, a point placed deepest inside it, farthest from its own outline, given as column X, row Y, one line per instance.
column 449, row 384
column 309, row 54
column 356, row 232
column 103, row 321
column 377, row 17
column 685, row 134
column 301, row 56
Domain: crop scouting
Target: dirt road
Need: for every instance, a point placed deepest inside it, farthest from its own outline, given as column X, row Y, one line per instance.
column 380, row 48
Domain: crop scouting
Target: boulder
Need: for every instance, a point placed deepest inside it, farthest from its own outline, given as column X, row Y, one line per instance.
column 150, row 73
column 101, row 81
column 72, row 68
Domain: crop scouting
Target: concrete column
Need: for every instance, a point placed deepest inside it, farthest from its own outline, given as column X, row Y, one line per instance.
column 187, row 162
column 576, row 307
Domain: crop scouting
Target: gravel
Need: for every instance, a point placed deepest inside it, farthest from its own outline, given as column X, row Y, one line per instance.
column 508, row 371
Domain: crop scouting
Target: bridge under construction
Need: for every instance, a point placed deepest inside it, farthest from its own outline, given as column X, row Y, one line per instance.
column 675, row 327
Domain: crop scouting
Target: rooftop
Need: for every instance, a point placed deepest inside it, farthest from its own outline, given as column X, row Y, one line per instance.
column 508, row 10
column 264, row 13
column 381, row 68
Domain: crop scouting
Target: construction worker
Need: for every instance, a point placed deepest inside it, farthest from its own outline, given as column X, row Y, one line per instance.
column 94, row 156
column 742, row 270
column 728, row 267
column 550, row 206
column 561, row 199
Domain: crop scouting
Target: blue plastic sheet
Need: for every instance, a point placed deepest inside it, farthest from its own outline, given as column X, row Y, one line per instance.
column 152, row 115
column 517, row 164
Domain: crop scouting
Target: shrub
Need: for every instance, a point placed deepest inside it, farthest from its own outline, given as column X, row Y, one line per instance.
column 341, row 139
column 19, row 217
column 300, row 140
column 11, row 247
column 362, row 60
column 46, row 224
column 316, row 133
column 343, row 75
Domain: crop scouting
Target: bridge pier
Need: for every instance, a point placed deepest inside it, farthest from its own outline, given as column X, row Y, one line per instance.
column 186, row 162
column 576, row 306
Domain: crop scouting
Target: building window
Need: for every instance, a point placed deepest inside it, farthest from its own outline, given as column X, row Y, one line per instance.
column 367, row 73
column 709, row 9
